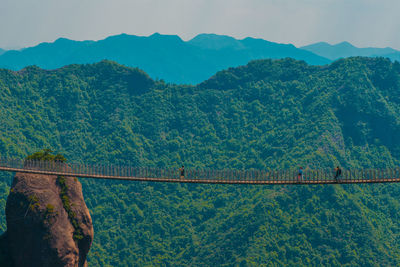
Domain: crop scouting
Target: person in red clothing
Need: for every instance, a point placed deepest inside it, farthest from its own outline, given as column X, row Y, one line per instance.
column 300, row 175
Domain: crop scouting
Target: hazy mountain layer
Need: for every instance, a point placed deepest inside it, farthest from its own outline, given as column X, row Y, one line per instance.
column 267, row 114
column 345, row 49
column 162, row 56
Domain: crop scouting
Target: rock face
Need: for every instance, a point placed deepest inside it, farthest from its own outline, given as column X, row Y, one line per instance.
column 48, row 223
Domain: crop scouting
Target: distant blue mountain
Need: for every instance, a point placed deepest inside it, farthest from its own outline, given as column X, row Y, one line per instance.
column 2, row 51
column 165, row 57
column 345, row 49
column 393, row 56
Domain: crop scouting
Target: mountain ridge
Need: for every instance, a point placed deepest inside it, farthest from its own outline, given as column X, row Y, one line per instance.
column 210, row 52
column 268, row 114
column 346, row 49
column 165, row 57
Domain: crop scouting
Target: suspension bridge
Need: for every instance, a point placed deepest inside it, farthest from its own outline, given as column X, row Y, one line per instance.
column 205, row 176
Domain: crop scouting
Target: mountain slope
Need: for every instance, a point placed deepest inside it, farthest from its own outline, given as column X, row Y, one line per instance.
column 161, row 56
column 345, row 49
column 268, row 114
column 2, row 51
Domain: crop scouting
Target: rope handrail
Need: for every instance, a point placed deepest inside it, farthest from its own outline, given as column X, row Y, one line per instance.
column 228, row 176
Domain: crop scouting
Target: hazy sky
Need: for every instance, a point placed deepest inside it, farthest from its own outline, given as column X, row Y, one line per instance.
column 361, row 22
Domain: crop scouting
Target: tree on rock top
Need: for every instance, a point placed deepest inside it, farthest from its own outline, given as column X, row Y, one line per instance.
column 46, row 154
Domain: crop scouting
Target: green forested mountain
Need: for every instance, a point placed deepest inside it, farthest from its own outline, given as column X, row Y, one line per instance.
column 165, row 57
column 268, row 114
column 345, row 49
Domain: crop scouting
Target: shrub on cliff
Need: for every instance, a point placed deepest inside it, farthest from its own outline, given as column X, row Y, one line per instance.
column 46, row 154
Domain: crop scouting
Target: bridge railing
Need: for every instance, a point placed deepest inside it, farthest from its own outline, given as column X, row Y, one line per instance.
column 247, row 176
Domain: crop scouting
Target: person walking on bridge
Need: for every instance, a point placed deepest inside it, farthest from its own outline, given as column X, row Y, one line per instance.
column 300, row 175
column 338, row 173
column 182, row 172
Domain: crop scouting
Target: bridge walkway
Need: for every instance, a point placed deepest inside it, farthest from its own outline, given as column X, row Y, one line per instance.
column 205, row 176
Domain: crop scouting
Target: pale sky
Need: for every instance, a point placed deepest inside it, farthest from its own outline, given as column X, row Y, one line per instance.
column 300, row 22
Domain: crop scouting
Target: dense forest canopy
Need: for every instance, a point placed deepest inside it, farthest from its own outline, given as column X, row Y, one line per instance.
column 267, row 114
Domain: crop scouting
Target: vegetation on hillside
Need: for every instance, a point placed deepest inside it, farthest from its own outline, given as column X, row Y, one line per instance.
column 265, row 115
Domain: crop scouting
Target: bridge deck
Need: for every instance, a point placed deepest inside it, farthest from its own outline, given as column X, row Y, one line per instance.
column 209, row 177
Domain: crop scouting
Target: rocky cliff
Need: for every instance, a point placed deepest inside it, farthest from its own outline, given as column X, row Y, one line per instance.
column 48, row 223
